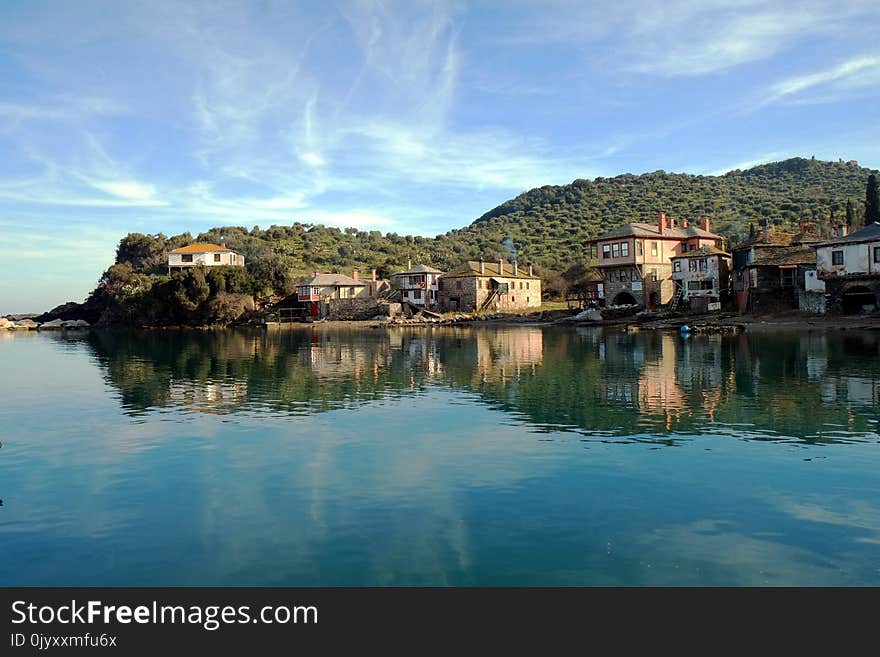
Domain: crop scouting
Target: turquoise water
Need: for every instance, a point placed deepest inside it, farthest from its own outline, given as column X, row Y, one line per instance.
column 497, row 456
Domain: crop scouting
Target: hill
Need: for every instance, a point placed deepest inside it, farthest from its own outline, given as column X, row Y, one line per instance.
column 546, row 226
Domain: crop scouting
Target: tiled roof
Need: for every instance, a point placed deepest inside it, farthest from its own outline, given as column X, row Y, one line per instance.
column 786, row 255
column 418, row 269
column 638, row 229
column 702, row 252
column 870, row 233
column 472, row 268
column 330, row 280
column 202, row 247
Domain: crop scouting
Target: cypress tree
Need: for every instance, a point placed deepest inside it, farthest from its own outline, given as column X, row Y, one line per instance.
column 872, row 201
column 850, row 215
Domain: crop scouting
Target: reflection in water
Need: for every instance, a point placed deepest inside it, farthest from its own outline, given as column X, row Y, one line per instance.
column 600, row 383
column 453, row 455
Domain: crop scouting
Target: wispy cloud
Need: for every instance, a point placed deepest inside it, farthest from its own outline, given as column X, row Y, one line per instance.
column 842, row 79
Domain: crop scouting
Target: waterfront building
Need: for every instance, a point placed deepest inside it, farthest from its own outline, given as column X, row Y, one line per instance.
column 489, row 286
column 849, row 266
column 418, row 286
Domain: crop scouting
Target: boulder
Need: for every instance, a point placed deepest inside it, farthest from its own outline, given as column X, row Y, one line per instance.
column 75, row 324
column 6, row 324
column 53, row 324
column 26, row 324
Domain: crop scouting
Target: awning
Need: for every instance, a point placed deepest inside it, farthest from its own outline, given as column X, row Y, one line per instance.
column 788, row 266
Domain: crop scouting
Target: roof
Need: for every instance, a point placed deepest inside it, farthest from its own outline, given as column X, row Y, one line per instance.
column 418, row 269
column 331, row 280
column 472, row 268
column 787, row 255
column 702, row 252
column 638, row 229
column 200, row 247
column 870, row 233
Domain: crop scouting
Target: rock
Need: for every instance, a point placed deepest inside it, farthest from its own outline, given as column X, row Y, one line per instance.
column 75, row 324
column 26, row 324
column 53, row 324
column 6, row 324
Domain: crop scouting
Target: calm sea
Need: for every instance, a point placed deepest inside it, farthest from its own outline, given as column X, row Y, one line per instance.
column 453, row 456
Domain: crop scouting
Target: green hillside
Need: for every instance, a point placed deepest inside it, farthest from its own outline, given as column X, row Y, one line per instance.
column 546, row 226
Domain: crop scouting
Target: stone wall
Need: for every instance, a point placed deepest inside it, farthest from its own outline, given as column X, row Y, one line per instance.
column 811, row 302
column 353, row 309
column 836, row 290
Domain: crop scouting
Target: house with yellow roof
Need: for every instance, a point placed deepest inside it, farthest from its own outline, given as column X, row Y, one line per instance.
column 203, row 255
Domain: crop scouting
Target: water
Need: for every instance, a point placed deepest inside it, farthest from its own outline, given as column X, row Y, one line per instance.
column 497, row 456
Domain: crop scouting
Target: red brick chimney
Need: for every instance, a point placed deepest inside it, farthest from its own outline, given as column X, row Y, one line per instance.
column 705, row 224
column 684, row 223
column 661, row 222
column 355, row 275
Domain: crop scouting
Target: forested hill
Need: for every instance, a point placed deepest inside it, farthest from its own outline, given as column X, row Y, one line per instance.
column 546, row 226
column 549, row 224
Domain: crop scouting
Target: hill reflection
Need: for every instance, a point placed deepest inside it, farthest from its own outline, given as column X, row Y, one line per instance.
column 605, row 385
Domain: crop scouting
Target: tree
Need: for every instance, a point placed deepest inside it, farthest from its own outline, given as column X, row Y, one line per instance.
column 872, row 201
column 850, row 215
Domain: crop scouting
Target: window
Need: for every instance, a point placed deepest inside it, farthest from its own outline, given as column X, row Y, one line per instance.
column 186, row 257
column 639, row 247
column 877, row 254
column 417, row 294
column 623, row 276
column 654, row 274
column 457, row 285
column 615, row 250
column 606, row 251
column 612, row 276
column 520, row 285
column 692, row 264
column 788, row 275
column 624, row 249
column 837, row 257
column 527, row 285
column 216, row 257
column 676, row 265
column 512, row 299
column 654, row 248
column 703, row 264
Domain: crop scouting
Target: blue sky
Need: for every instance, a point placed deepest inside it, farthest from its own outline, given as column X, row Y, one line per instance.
column 413, row 117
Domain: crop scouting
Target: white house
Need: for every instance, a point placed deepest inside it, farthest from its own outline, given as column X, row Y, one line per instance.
column 702, row 275
column 418, row 285
column 205, row 255
column 850, row 267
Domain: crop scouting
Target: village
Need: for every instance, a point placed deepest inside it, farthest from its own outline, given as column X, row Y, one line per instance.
column 671, row 269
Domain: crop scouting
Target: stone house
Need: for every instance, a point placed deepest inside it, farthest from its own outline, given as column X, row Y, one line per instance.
column 328, row 294
column 776, row 271
column 418, row 285
column 635, row 260
column 702, row 277
column 489, row 286
column 849, row 265
column 203, row 255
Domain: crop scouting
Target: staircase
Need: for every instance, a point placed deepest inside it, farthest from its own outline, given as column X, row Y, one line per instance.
column 494, row 294
column 676, row 297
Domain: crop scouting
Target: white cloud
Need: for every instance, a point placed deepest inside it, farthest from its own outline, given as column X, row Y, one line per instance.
column 849, row 75
column 128, row 190
column 313, row 159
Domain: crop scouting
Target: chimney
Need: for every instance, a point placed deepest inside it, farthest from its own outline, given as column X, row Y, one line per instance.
column 316, row 273
column 530, row 270
column 684, row 223
column 515, row 270
column 374, row 275
column 355, row 275
column 482, row 266
column 661, row 222
column 704, row 224
column 408, row 265
column 841, row 230
column 765, row 231
column 501, row 266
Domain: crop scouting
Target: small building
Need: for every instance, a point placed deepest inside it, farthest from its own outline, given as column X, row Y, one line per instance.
column 204, row 255
column 321, row 291
column 418, row 285
column 635, row 260
column 849, row 266
column 489, row 286
column 771, row 271
column 702, row 277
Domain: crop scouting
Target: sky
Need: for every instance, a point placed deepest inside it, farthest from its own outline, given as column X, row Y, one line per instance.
column 409, row 117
